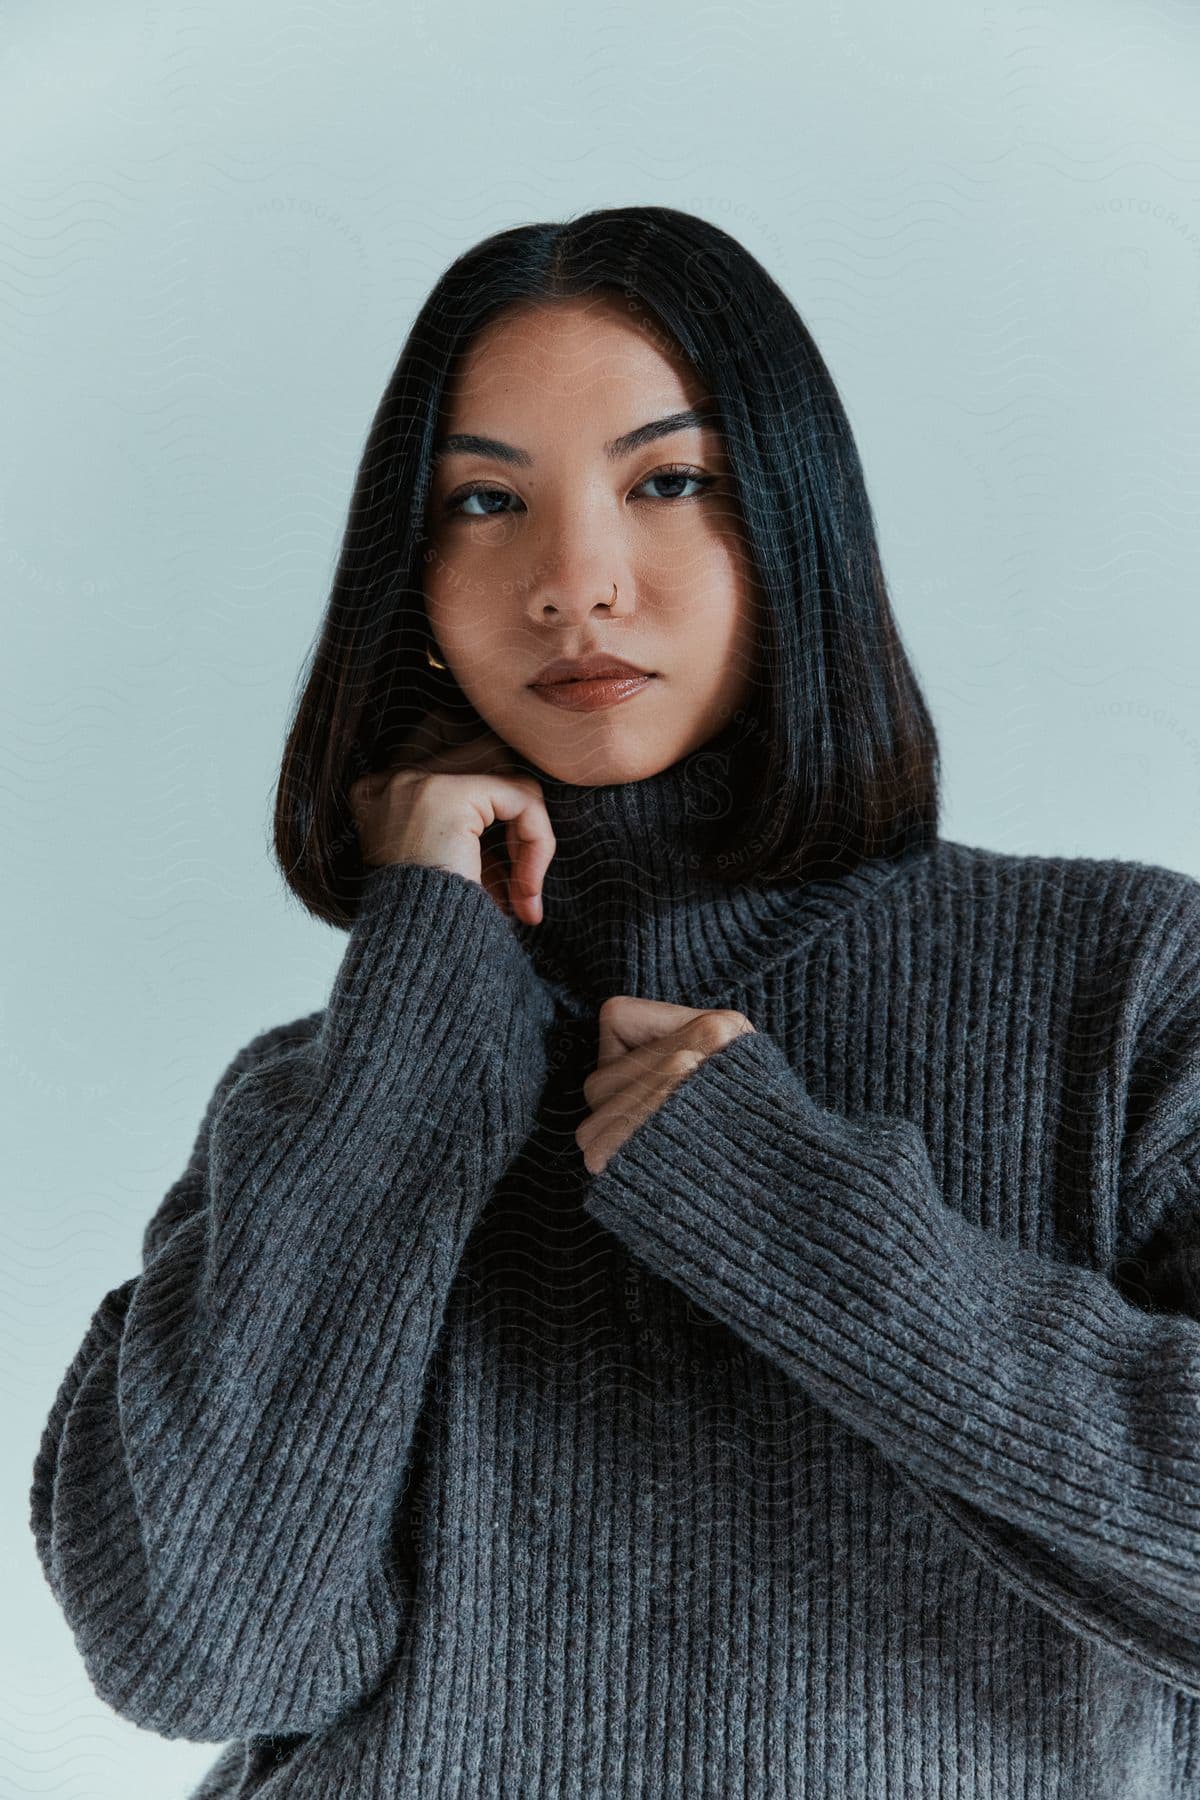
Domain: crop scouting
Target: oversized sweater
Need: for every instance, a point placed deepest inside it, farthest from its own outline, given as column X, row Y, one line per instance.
column 840, row 1438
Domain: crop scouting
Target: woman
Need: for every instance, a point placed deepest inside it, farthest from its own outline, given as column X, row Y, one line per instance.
column 711, row 1305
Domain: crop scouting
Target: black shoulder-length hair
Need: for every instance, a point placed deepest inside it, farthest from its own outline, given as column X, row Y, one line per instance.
column 849, row 758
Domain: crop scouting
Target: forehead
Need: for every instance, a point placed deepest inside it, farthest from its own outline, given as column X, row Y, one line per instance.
column 575, row 359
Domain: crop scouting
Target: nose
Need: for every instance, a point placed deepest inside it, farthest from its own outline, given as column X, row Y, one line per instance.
column 589, row 597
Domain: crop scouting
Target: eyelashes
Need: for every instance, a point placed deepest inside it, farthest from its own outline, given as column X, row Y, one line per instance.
column 453, row 505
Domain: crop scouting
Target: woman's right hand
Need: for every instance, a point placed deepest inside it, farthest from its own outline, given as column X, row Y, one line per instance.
column 435, row 802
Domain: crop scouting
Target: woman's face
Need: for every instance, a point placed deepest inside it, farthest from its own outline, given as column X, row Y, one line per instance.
column 524, row 547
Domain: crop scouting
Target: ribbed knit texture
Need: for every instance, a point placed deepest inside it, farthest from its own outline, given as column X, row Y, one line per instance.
column 841, row 1438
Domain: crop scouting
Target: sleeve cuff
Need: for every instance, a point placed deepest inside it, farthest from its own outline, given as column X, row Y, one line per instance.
column 709, row 1189
column 431, row 940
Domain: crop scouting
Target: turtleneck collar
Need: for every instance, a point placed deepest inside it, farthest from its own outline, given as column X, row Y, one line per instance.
column 625, row 908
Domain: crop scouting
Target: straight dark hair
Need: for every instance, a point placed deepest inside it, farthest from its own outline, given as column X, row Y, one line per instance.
column 848, row 763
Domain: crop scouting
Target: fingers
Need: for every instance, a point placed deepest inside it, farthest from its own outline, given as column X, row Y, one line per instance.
column 531, row 845
column 445, row 746
column 495, row 880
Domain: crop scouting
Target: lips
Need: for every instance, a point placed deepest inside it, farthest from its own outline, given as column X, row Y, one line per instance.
column 589, row 668
column 593, row 694
column 608, row 675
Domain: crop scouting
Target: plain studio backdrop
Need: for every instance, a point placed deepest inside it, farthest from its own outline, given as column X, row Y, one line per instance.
column 216, row 226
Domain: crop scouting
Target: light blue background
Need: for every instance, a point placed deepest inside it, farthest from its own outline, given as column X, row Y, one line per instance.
column 215, row 228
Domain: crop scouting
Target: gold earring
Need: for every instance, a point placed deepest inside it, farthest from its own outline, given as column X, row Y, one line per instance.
column 431, row 659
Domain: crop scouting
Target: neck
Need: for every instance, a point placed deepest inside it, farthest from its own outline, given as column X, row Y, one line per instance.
column 626, row 908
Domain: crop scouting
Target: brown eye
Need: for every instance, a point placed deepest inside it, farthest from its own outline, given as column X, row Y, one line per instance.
column 679, row 472
column 456, row 501
column 457, row 504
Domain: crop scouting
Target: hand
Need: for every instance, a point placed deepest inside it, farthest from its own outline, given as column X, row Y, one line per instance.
column 447, row 785
column 647, row 1048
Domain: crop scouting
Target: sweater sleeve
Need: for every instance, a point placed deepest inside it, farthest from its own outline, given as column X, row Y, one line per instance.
column 214, row 1491
column 1050, row 1420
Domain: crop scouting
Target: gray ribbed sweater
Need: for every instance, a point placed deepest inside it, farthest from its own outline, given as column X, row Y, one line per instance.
column 841, row 1439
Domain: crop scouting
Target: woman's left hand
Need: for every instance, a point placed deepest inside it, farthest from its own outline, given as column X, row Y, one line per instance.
column 647, row 1048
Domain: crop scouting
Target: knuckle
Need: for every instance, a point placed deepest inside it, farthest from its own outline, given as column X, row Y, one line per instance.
column 714, row 1029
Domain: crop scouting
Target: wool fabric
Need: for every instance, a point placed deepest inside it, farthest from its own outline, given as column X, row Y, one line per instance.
column 841, row 1438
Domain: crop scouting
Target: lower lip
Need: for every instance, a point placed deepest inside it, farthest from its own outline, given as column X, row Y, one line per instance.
column 589, row 696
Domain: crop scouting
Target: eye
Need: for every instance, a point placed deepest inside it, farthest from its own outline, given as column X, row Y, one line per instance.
column 457, row 503
column 679, row 472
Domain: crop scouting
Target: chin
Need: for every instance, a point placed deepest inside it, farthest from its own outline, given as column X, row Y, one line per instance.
column 602, row 765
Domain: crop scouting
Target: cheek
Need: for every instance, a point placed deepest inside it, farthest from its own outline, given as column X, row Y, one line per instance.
column 710, row 589
column 479, row 633
column 451, row 593
column 701, row 565
column 468, row 573
column 720, row 654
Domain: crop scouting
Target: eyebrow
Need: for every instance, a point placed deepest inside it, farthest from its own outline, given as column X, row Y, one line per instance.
column 692, row 418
